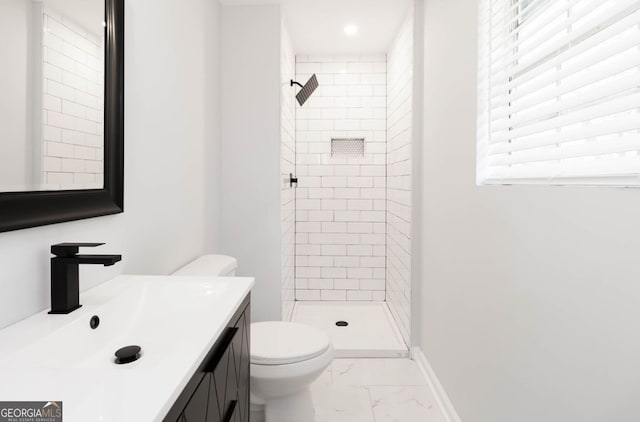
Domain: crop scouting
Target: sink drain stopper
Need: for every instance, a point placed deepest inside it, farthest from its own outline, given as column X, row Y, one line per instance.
column 342, row 323
column 128, row 354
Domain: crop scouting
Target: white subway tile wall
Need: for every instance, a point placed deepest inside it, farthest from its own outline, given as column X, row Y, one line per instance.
column 72, row 105
column 399, row 146
column 287, row 166
column 341, row 199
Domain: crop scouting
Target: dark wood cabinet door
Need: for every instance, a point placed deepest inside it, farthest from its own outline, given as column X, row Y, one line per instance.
column 219, row 391
column 242, row 367
column 196, row 410
column 214, row 412
column 230, row 379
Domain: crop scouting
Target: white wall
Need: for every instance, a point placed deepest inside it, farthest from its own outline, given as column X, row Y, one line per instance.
column 287, row 167
column 171, row 57
column 400, row 67
column 340, row 206
column 15, row 105
column 530, row 294
column 250, row 179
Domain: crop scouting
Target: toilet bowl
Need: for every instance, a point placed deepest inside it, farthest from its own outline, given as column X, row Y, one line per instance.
column 286, row 357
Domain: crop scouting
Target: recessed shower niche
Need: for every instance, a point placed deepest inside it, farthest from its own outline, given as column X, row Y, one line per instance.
column 347, row 147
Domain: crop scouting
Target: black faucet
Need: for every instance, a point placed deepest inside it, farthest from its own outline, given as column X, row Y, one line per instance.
column 65, row 285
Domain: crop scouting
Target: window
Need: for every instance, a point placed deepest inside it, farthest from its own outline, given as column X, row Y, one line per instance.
column 559, row 92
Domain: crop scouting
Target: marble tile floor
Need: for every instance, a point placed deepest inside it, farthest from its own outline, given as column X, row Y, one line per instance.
column 374, row 390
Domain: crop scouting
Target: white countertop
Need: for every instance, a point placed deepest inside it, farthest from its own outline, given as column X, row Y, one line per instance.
column 176, row 320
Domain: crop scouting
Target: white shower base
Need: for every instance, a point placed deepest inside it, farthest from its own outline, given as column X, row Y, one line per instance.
column 371, row 333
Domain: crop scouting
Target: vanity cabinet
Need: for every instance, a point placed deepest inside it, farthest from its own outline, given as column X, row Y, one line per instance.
column 196, row 409
column 219, row 391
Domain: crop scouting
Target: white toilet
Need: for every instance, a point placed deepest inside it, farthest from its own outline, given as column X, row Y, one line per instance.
column 286, row 357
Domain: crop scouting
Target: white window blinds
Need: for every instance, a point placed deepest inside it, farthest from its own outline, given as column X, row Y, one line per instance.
column 559, row 92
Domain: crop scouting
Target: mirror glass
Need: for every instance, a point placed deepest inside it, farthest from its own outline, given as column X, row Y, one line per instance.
column 52, row 95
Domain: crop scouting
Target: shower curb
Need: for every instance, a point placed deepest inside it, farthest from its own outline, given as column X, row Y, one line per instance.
column 442, row 399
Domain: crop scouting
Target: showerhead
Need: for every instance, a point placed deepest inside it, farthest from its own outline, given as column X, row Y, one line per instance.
column 306, row 90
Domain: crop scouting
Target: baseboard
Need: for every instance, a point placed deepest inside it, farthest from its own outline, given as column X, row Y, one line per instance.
column 442, row 400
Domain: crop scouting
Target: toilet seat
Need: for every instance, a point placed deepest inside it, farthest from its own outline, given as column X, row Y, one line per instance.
column 283, row 343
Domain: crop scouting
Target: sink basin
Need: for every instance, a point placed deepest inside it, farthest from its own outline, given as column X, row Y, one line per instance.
column 175, row 320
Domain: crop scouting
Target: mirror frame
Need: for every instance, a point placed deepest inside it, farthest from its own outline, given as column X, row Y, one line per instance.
column 20, row 210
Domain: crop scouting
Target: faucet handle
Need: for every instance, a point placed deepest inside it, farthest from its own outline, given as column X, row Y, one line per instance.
column 65, row 250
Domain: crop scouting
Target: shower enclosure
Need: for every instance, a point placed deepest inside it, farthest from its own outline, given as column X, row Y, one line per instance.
column 347, row 225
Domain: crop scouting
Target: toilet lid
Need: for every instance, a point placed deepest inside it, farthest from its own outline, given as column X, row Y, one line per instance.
column 280, row 343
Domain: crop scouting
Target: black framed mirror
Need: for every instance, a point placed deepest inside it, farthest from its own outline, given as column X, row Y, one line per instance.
column 49, row 203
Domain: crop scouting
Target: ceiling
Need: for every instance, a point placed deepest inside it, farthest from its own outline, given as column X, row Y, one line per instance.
column 317, row 26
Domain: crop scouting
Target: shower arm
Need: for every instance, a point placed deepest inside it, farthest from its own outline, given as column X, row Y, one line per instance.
column 296, row 83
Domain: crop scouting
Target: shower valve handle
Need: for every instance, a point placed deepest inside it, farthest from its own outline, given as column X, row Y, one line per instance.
column 292, row 180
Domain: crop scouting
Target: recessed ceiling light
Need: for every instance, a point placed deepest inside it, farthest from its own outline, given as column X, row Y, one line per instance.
column 351, row 29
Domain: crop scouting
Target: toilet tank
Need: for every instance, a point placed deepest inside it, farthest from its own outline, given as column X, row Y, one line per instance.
column 210, row 266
